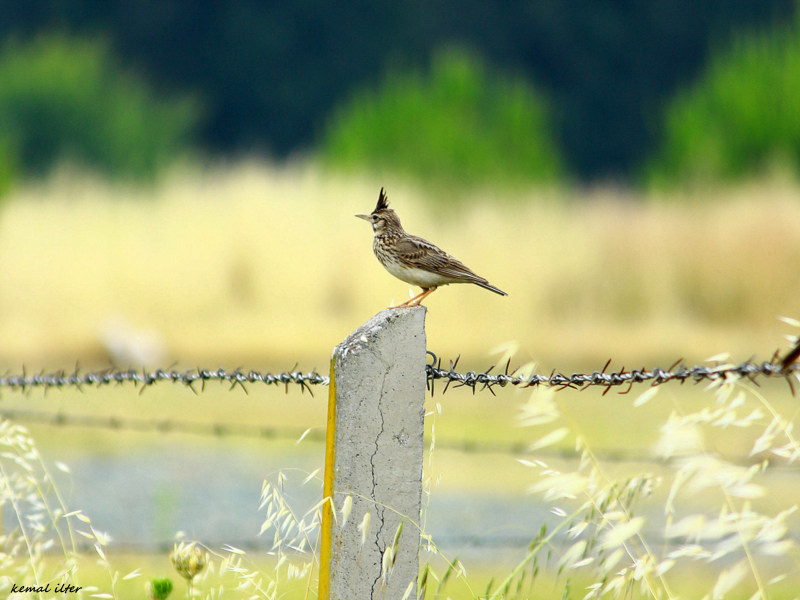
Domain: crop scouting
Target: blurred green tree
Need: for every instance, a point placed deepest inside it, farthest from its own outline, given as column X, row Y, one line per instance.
column 741, row 117
column 67, row 99
column 270, row 72
column 8, row 166
column 459, row 123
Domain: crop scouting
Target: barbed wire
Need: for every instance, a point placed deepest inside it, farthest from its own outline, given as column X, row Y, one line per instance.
column 477, row 381
column 167, row 425
column 143, row 379
column 178, row 426
column 145, row 425
column 609, row 379
column 517, row 448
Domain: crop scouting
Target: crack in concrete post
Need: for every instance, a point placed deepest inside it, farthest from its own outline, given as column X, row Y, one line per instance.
column 379, row 510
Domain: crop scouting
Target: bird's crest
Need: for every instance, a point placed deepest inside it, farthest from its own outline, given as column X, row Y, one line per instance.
column 383, row 202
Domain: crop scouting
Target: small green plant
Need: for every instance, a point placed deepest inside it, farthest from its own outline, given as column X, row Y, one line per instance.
column 65, row 98
column 460, row 122
column 740, row 119
column 159, row 589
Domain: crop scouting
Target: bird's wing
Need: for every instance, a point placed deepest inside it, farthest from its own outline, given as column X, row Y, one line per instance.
column 421, row 253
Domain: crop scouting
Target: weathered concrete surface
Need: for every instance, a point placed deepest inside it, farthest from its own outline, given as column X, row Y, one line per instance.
column 379, row 375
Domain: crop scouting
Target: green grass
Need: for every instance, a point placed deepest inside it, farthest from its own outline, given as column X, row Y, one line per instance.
column 548, row 584
column 134, row 570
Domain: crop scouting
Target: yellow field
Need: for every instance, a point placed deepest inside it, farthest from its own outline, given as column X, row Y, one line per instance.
column 253, row 265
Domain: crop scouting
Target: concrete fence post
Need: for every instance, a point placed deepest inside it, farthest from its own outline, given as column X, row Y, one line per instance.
column 373, row 463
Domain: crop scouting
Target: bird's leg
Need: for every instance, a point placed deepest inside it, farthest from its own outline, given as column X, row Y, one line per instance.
column 422, row 296
column 408, row 302
column 416, row 299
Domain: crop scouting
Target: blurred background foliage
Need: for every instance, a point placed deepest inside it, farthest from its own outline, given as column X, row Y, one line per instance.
column 741, row 118
column 459, row 123
column 578, row 90
column 67, row 99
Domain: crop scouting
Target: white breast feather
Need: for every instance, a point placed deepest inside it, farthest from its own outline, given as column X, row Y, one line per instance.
column 418, row 277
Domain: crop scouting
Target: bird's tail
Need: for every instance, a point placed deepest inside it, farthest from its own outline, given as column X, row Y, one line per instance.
column 485, row 284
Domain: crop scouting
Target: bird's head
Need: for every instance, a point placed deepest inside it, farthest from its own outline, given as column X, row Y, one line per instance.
column 383, row 217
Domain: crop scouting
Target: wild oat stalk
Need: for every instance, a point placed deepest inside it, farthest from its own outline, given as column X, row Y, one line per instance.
column 609, row 534
column 41, row 521
column 293, row 540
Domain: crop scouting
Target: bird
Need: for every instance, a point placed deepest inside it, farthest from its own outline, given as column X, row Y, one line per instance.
column 413, row 259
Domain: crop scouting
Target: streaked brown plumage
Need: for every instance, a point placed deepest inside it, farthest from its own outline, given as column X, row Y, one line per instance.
column 413, row 259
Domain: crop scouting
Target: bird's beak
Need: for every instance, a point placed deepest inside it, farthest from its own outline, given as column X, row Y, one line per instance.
column 365, row 217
